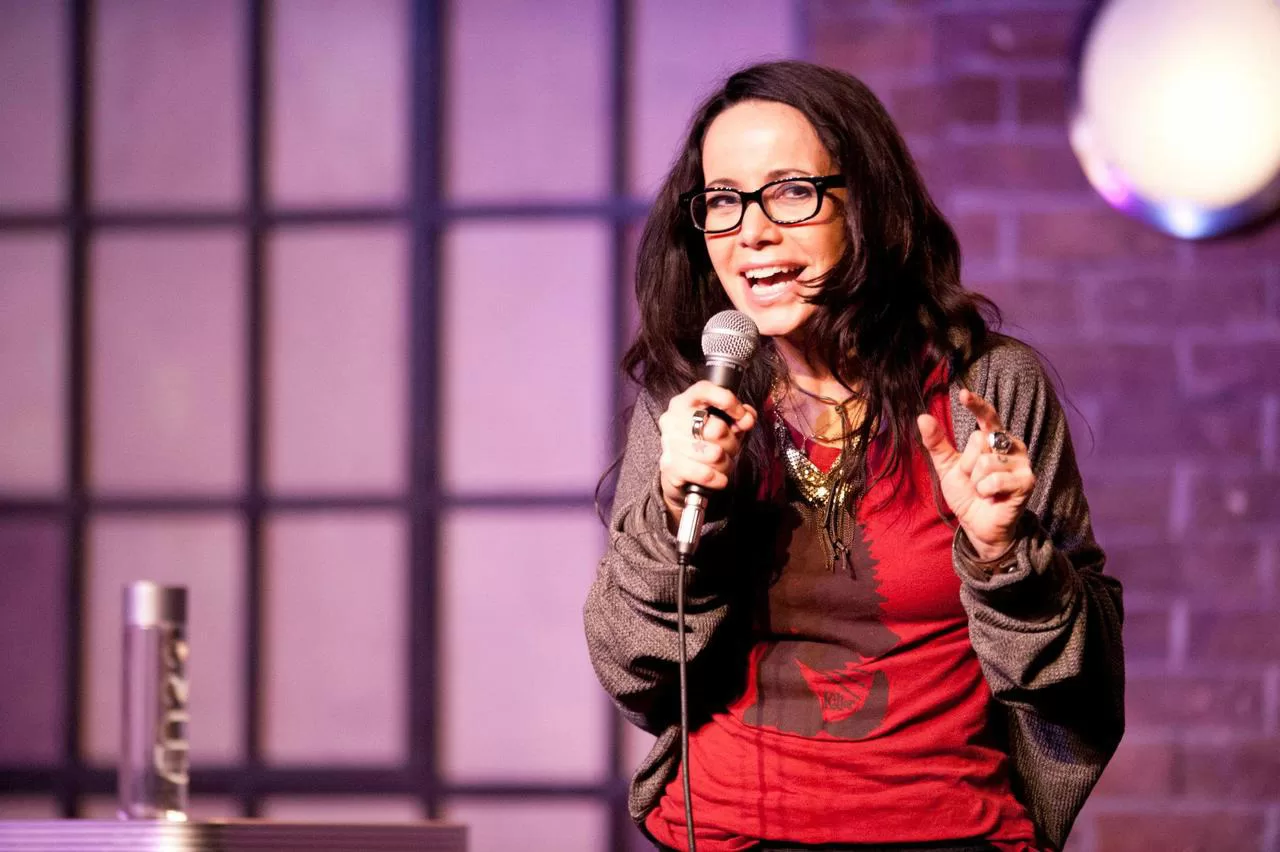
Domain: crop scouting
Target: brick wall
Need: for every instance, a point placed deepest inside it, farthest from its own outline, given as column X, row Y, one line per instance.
column 1169, row 350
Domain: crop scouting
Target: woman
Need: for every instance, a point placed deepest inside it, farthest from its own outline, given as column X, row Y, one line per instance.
column 899, row 633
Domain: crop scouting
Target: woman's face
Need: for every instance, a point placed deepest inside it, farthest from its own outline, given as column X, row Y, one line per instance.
column 765, row 268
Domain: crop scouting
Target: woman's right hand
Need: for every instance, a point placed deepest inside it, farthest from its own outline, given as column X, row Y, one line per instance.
column 710, row 461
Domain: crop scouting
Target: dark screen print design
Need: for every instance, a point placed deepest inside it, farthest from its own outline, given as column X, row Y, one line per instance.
column 818, row 682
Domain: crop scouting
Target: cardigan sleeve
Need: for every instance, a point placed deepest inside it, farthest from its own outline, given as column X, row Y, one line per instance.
column 1046, row 625
column 630, row 611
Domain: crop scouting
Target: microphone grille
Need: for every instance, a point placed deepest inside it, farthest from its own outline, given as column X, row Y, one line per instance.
column 730, row 336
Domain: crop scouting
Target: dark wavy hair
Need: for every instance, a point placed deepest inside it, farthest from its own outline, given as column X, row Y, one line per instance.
column 888, row 313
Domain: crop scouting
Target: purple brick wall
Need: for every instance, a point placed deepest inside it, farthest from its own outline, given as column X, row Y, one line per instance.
column 1169, row 350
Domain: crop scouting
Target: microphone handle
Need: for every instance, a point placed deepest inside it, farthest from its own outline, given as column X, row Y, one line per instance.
column 726, row 374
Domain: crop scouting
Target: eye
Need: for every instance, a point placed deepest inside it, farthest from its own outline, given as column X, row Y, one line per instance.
column 720, row 200
column 796, row 191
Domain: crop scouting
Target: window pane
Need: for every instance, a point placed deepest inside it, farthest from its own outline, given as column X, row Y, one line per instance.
column 338, row 308
column 682, row 50
column 520, row 700
column 339, row 95
column 630, row 307
column 166, row 363
column 32, row 362
column 543, row 825
column 527, row 361
column 204, row 553
column 528, row 99
column 168, row 116
column 335, row 662
column 32, row 626
column 636, row 745
column 33, row 50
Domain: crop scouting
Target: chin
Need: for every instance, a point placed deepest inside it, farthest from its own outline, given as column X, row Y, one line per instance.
column 777, row 329
column 777, row 321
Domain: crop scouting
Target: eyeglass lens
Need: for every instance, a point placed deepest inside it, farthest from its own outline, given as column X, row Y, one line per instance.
column 785, row 203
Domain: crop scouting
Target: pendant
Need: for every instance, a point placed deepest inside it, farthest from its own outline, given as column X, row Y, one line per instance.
column 815, row 487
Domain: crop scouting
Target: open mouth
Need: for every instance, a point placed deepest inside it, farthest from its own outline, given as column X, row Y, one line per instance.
column 770, row 276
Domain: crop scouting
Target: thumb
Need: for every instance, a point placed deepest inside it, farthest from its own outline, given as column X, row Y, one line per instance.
column 941, row 451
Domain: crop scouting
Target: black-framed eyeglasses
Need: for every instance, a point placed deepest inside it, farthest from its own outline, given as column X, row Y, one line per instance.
column 786, row 201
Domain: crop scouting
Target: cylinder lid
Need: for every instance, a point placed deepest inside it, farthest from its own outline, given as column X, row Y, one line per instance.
column 148, row 604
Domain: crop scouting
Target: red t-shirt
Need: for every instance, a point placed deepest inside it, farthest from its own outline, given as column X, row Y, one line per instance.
column 865, row 716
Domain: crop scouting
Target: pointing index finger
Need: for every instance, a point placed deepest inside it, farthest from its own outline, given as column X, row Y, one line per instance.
column 982, row 411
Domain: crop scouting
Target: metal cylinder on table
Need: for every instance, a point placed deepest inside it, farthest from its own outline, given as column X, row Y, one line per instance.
column 154, row 750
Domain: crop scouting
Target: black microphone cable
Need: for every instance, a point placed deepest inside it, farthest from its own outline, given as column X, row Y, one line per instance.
column 681, row 574
column 729, row 340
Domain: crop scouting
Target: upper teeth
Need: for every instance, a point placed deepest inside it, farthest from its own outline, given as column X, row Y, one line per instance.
column 768, row 271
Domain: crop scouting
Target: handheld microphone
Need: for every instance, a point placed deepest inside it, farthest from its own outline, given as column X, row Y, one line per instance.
column 729, row 340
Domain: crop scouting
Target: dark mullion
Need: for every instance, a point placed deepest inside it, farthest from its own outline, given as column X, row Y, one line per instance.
column 426, row 141
column 619, row 56
column 248, row 787
column 321, row 780
column 152, row 219
column 802, row 21
column 262, row 504
column 79, row 25
column 611, row 790
column 182, row 219
column 514, row 500
column 619, row 209
column 177, row 504
column 253, row 504
column 34, row 221
column 54, row 508
column 224, row 780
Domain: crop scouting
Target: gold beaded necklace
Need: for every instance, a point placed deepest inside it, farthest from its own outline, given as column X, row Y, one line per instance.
column 816, row 488
column 813, row 484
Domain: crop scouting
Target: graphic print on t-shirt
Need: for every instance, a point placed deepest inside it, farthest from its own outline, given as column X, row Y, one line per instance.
column 825, row 625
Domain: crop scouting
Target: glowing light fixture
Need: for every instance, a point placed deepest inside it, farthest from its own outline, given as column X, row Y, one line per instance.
column 1176, row 114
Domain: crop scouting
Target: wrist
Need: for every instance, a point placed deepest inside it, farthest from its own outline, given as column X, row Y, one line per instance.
column 674, row 509
column 993, row 559
column 989, row 552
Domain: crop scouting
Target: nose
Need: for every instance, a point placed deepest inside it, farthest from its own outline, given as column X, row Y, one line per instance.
column 756, row 228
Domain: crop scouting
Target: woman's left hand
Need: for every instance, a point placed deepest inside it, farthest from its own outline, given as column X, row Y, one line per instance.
column 985, row 489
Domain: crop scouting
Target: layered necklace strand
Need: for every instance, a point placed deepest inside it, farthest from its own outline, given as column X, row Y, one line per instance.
column 813, row 485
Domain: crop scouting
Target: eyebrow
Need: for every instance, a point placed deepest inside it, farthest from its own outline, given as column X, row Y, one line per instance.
column 776, row 174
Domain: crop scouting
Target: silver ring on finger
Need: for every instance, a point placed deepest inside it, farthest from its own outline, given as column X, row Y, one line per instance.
column 1000, row 442
column 699, row 422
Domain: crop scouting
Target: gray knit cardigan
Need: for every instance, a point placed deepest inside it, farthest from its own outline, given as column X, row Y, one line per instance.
column 1045, row 628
